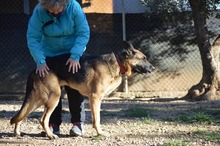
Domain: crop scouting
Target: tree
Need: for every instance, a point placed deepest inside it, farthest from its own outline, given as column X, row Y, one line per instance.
column 165, row 6
column 209, row 86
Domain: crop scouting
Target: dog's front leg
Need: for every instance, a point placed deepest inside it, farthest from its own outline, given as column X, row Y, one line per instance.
column 95, row 104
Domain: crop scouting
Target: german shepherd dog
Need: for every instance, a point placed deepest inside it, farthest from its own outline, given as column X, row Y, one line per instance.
column 98, row 76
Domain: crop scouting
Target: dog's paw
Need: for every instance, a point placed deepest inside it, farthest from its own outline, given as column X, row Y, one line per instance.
column 19, row 134
column 53, row 136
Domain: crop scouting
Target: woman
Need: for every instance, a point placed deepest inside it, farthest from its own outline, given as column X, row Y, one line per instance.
column 57, row 34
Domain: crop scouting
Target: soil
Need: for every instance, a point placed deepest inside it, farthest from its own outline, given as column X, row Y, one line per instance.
column 120, row 129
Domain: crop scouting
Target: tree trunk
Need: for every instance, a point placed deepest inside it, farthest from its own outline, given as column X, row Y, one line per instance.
column 208, row 87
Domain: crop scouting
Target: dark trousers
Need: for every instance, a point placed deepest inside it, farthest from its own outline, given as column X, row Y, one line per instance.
column 75, row 99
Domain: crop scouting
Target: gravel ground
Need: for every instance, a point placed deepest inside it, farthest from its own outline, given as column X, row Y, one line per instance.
column 121, row 129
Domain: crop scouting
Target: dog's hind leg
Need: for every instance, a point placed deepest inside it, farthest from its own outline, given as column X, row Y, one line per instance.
column 27, row 107
column 95, row 104
column 42, row 117
column 49, row 108
column 29, row 103
column 17, row 129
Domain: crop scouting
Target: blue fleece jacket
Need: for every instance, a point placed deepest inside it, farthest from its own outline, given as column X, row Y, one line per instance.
column 69, row 33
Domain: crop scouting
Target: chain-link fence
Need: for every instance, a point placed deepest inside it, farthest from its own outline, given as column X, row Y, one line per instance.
column 168, row 42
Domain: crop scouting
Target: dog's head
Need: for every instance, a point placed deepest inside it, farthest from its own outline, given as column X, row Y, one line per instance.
column 134, row 61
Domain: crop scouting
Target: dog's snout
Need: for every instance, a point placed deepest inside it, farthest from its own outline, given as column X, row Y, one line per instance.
column 152, row 67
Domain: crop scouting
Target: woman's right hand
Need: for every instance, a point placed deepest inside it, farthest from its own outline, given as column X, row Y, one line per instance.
column 42, row 70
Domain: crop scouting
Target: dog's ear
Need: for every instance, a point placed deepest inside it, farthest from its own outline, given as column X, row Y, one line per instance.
column 127, row 45
column 128, row 51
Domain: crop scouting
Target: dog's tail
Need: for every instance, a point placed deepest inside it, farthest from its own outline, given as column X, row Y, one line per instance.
column 26, row 108
column 23, row 113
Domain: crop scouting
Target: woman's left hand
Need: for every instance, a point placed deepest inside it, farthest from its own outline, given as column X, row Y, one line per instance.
column 74, row 65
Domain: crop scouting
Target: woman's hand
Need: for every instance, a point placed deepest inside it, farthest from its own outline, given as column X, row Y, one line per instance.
column 74, row 65
column 42, row 70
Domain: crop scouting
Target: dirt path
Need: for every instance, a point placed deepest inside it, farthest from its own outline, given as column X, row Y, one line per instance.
column 123, row 121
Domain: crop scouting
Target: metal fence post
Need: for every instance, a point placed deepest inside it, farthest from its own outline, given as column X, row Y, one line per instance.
column 26, row 7
column 125, row 80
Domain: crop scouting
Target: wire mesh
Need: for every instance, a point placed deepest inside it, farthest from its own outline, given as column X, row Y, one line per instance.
column 168, row 42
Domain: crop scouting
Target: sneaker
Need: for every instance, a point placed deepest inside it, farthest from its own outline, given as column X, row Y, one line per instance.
column 54, row 128
column 77, row 129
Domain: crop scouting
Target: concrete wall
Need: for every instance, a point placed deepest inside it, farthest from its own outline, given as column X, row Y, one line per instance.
column 113, row 6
